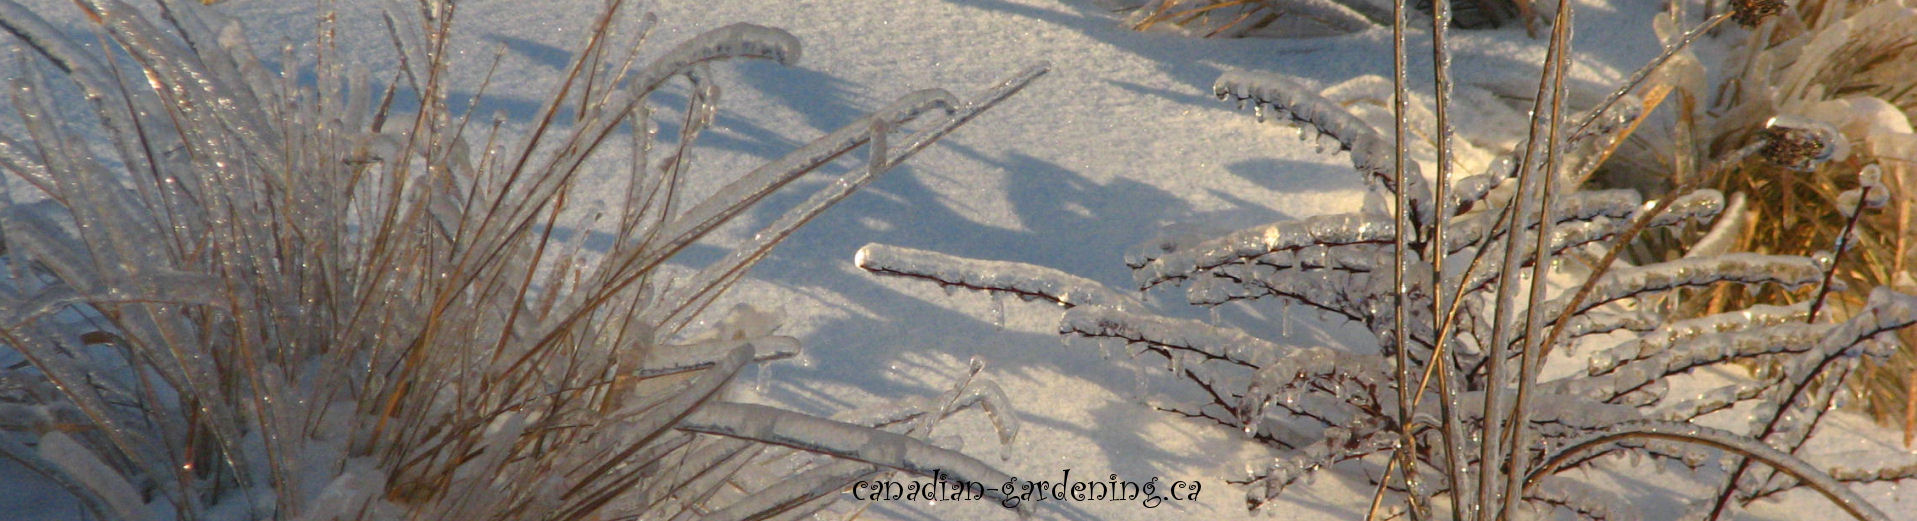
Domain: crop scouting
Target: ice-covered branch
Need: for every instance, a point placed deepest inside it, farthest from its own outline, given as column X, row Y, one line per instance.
column 1016, row 278
column 1213, row 341
column 1371, row 153
column 1321, row 231
column 673, row 359
column 1742, row 268
column 1586, row 501
column 1678, row 335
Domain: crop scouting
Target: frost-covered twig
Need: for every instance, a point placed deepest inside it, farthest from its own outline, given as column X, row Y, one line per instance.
column 1371, row 153
column 1023, row 280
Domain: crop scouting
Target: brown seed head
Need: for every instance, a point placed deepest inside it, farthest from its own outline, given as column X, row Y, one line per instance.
column 1793, row 148
column 1749, row 13
column 1801, row 143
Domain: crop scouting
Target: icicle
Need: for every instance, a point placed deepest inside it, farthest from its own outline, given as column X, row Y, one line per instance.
column 762, row 380
column 1140, row 377
column 1284, row 318
column 998, row 310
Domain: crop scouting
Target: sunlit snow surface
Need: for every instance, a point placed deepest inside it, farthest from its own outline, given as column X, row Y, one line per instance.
column 1120, row 143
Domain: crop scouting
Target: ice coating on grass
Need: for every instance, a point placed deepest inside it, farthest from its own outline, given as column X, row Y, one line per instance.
column 1599, row 323
column 971, row 393
column 1023, row 280
column 716, row 277
column 83, row 466
column 1713, row 400
column 1213, row 341
column 1586, row 501
column 1743, row 268
column 732, row 41
column 813, row 434
column 1324, row 231
column 353, row 489
column 1674, row 335
column 672, row 359
column 1336, row 15
column 1559, row 414
column 810, row 489
column 754, row 186
column 1723, row 234
column 1286, row 470
column 1893, row 473
column 1371, row 153
column 1714, row 348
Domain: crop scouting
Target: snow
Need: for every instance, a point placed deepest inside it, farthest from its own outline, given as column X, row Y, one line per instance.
column 1120, row 143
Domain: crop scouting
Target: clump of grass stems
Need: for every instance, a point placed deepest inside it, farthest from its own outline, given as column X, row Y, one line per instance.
column 241, row 293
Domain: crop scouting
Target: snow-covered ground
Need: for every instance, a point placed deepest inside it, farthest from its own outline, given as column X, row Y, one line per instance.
column 1122, row 141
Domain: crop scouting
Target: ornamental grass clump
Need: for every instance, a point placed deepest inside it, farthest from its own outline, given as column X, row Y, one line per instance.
column 234, row 292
